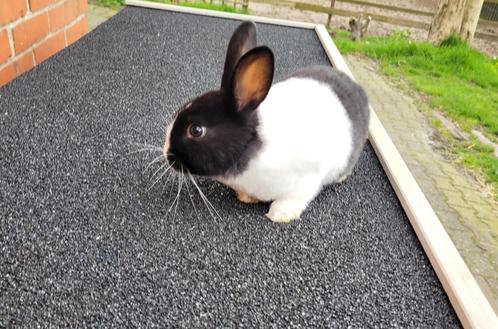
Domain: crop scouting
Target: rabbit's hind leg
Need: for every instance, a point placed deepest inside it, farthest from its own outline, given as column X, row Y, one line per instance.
column 246, row 198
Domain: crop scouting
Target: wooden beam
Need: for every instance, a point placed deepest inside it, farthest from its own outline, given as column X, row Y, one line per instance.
column 486, row 22
column 387, row 7
column 375, row 17
column 486, row 36
column 332, row 5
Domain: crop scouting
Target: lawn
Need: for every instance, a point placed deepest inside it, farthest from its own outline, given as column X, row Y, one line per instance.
column 459, row 81
column 193, row 4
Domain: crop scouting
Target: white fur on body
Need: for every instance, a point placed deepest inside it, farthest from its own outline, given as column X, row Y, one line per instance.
column 306, row 143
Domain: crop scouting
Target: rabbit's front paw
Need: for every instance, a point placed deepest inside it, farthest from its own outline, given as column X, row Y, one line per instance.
column 246, row 198
column 284, row 211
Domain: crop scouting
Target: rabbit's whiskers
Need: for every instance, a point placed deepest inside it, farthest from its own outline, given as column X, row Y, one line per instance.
column 206, row 201
column 183, row 178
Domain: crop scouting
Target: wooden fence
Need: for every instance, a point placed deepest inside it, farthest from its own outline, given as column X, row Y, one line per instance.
column 389, row 19
column 490, row 10
column 366, row 6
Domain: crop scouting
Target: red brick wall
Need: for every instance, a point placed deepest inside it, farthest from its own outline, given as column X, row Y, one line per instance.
column 33, row 30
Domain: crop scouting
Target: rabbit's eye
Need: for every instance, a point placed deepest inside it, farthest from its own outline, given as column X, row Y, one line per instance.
column 196, row 131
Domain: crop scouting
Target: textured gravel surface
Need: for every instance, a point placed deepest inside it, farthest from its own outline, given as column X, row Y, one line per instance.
column 84, row 244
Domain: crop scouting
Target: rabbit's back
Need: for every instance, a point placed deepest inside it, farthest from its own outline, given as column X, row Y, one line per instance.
column 305, row 128
column 353, row 98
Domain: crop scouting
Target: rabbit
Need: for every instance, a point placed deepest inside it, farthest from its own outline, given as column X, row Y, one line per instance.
column 280, row 144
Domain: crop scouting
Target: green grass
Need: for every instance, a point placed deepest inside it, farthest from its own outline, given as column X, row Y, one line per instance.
column 196, row 4
column 474, row 155
column 460, row 82
column 109, row 3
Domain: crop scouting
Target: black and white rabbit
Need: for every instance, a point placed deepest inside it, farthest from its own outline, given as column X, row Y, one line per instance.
column 280, row 143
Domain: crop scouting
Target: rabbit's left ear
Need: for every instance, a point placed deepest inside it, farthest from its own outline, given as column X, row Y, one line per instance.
column 243, row 40
column 252, row 79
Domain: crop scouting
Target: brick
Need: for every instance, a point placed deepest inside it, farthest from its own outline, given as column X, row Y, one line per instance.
column 24, row 63
column 49, row 47
column 16, row 68
column 39, row 4
column 7, row 74
column 29, row 32
column 10, row 10
column 76, row 31
column 64, row 14
column 5, row 51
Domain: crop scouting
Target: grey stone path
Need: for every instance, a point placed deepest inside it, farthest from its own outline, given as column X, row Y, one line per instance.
column 98, row 15
column 469, row 215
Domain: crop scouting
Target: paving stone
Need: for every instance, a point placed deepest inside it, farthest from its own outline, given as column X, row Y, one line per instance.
column 484, row 211
column 98, row 15
column 493, row 224
column 444, row 183
column 410, row 160
column 449, row 169
column 481, row 266
column 420, row 174
column 465, row 244
column 465, row 212
column 473, row 197
column 450, row 221
column 494, row 259
column 437, row 201
column 462, row 181
column 470, row 220
column 454, row 198
column 488, row 287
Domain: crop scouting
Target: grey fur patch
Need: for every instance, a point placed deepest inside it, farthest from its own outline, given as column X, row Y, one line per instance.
column 353, row 98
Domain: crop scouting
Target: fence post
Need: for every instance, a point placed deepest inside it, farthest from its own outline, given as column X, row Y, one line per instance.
column 332, row 4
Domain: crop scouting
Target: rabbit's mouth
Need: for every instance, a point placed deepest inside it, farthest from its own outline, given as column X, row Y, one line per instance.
column 175, row 162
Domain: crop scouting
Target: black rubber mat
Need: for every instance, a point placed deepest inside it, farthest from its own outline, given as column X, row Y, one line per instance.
column 84, row 243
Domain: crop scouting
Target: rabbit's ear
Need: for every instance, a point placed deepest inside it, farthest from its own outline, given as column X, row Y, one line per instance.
column 243, row 40
column 252, row 79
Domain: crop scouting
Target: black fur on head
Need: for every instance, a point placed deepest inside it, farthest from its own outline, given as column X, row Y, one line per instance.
column 216, row 134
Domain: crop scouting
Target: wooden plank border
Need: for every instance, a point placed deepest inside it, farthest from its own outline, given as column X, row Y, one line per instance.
column 221, row 14
column 467, row 298
column 469, row 302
